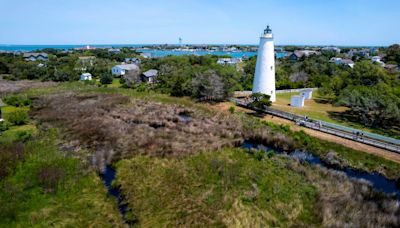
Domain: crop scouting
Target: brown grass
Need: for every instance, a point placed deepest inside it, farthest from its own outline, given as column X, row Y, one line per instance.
column 115, row 126
column 345, row 202
column 8, row 87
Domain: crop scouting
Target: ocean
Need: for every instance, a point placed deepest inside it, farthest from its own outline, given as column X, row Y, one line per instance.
column 151, row 52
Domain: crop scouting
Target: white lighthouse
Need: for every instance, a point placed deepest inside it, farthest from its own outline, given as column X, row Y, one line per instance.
column 264, row 78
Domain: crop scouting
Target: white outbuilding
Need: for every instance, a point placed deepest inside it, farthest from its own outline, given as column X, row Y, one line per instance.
column 307, row 94
column 86, row 77
column 122, row 69
column 297, row 101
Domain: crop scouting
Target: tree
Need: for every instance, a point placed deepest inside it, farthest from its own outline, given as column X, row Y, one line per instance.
column 393, row 53
column 131, row 77
column 106, row 78
column 208, row 86
column 374, row 106
column 4, row 68
column 367, row 73
column 260, row 100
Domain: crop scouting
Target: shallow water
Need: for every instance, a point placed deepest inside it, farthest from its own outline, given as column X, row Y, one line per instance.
column 107, row 177
column 378, row 182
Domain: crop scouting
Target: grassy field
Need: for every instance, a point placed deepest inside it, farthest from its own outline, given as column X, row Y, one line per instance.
column 317, row 109
column 216, row 189
column 208, row 184
column 48, row 189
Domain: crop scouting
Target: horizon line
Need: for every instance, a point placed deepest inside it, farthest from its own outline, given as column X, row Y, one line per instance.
column 175, row 44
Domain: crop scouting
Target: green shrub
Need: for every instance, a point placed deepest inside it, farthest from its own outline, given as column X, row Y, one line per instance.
column 231, row 109
column 4, row 126
column 18, row 117
column 106, row 78
column 18, row 101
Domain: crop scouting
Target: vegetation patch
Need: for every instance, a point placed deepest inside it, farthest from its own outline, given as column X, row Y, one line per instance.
column 223, row 188
column 39, row 187
column 116, row 126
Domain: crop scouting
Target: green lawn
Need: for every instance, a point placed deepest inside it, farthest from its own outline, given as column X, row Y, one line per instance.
column 321, row 111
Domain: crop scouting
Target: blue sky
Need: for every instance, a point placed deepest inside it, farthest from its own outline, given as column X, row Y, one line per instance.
column 308, row 22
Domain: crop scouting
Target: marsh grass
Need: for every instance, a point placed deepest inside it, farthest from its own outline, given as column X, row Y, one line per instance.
column 115, row 126
column 47, row 189
column 343, row 202
column 222, row 188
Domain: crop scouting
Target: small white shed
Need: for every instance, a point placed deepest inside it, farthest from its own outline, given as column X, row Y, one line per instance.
column 297, row 101
column 307, row 94
column 86, row 77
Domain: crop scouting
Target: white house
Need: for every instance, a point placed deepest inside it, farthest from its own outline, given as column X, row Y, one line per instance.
column 86, row 77
column 297, row 101
column 122, row 69
column 307, row 94
column 377, row 59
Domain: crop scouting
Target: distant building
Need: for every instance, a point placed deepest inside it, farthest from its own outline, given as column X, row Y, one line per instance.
column 114, row 50
column 132, row 61
column 348, row 62
column 120, row 70
column 377, row 59
column 86, row 77
column 145, row 55
column 307, row 94
column 297, row 101
column 87, row 60
column 296, row 55
column 229, row 61
column 363, row 53
column 149, row 76
column 331, row 49
column 340, row 61
column 36, row 56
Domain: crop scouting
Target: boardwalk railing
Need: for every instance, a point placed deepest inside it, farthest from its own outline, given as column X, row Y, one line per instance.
column 330, row 128
column 248, row 93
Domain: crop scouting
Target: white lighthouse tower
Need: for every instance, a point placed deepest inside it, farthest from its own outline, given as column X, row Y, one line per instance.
column 264, row 78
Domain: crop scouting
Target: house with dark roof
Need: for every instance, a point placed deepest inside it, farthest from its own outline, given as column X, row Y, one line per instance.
column 296, row 55
column 136, row 61
column 36, row 56
column 149, row 76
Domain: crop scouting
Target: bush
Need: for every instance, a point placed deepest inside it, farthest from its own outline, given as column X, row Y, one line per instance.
column 18, row 101
column 260, row 100
column 18, row 117
column 106, row 78
column 231, row 109
column 4, row 126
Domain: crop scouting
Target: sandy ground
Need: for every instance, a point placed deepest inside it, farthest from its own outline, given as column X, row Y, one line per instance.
column 328, row 137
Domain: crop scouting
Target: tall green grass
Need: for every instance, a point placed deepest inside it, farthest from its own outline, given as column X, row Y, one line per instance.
column 222, row 188
column 48, row 189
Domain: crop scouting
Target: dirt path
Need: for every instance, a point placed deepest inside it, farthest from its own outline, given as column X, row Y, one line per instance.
column 321, row 135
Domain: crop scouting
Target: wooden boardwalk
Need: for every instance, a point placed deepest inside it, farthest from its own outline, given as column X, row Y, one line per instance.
column 367, row 138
